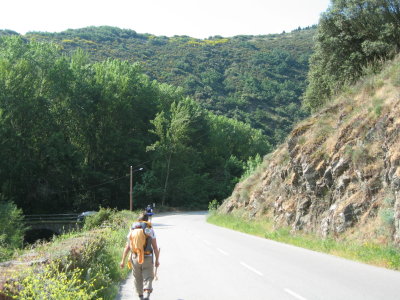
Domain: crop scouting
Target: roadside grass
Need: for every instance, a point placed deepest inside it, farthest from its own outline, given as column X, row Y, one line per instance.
column 104, row 267
column 374, row 254
column 86, row 261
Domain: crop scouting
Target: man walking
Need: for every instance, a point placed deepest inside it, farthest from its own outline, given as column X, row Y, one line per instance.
column 149, row 212
column 142, row 262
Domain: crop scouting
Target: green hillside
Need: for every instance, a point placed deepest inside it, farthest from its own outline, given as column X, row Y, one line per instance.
column 77, row 108
column 70, row 129
column 254, row 79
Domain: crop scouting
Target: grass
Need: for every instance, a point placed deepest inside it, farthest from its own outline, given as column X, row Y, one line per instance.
column 374, row 254
column 89, row 260
column 322, row 132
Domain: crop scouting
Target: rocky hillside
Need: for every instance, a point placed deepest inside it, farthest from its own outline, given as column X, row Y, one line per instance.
column 338, row 173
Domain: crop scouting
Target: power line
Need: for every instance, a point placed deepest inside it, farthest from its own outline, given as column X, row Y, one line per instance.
column 103, row 183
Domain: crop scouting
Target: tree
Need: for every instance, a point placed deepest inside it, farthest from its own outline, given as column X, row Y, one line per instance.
column 173, row 129
column 70, row 128
column 11, row 228
column 226, row 76
column 352, row 35
column 36, row 156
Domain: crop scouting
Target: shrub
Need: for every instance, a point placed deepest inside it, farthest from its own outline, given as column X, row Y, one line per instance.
column 103, row 216
column 358, row 154
column 11, row 228
column 53, row 283
column 387, row 216
column 345, row 50
column 251, row 165
column 83, row 265
column 123, row 219
column 213, row 205
column 377, row 105
column 324, row 130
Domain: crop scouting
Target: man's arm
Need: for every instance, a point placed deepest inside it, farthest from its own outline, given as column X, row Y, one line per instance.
column 124, row 254
column 156, row 252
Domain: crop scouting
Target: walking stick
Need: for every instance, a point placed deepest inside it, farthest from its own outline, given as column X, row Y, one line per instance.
column 155, row 274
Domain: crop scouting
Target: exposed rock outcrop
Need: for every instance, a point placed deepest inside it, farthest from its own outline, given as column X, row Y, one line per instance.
column 338, row 172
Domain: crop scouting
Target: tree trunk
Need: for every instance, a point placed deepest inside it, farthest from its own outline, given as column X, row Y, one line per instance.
column 166, row 180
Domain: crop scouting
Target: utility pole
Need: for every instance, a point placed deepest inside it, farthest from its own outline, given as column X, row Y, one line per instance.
column 130, row 194
column 131, row 191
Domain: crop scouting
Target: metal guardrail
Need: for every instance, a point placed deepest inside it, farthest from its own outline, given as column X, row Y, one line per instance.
column 51, row 218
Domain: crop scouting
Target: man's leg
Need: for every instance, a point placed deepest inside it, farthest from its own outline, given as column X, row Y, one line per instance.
column 137, row 277
column 148, row 276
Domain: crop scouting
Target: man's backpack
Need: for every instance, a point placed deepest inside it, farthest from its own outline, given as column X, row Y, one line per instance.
column 137, row 240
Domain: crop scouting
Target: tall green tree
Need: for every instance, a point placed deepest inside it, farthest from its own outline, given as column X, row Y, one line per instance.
column 231, row 143
column 174, row 130
column 352, row 35
column 234, row 77
column 70, row 129
column 11, row 228
column 35, row 153
column 111, row 107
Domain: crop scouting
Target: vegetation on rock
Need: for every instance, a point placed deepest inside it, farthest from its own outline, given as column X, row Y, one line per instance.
column 353, row 38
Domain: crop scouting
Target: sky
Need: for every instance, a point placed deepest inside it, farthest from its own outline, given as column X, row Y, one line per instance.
column 195, row 18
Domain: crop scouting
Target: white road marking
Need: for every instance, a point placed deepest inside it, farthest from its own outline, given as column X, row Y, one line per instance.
column 251, row 269
column 223, row 252
column 294, row 294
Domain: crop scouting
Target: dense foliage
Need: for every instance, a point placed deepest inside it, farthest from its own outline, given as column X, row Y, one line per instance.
column 77, row 265
column 353, row 35
column 52, row 283
column 70, row 129
column 11, row 228
column 254, row 79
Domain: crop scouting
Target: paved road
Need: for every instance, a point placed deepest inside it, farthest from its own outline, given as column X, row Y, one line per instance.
column 200, row 261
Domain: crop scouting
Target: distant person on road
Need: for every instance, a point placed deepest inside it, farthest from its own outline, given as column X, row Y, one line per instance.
column 149, row 211
column 142, row 260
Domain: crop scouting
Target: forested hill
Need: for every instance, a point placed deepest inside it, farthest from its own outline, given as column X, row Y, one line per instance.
column 70, row 129
column 255, row 79
column 72, row 122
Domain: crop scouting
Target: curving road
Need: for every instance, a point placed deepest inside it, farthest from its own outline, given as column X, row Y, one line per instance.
column 200, row 261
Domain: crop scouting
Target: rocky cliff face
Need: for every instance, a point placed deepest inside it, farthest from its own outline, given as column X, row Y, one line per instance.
column 338, row 173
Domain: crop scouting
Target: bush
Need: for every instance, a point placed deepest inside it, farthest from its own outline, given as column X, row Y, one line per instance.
column 83, row 265
column 123, row 219
column 251, row 165
column 387, row 216
column 99, row 219
column 213, row 205
column 12, row 228
column 350, row 44
column 52, row 283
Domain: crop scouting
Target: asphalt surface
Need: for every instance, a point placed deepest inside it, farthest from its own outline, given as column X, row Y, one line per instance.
column 200, row 261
